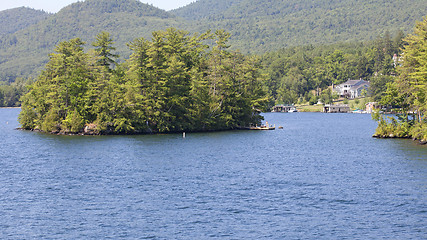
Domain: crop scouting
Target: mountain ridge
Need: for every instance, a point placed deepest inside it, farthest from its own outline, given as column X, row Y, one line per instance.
column 12, row 20
column 125, row 19
column 259, row 26
column 256, row 26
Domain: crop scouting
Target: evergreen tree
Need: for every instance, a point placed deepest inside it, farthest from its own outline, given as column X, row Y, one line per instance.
column 103, row 50
column 409, row 90
column 57, row 98
column 413, row 73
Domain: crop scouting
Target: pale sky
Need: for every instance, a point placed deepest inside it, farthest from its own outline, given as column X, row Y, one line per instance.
column 54, row 6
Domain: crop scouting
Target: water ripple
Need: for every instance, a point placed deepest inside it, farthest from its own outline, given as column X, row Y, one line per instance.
column 307, row 181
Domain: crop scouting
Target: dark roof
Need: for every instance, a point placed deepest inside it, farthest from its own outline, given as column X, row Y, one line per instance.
column 354, row 82
column 357, row 86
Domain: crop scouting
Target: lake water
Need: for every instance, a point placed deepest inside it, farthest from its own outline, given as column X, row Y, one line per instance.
column 322, row 177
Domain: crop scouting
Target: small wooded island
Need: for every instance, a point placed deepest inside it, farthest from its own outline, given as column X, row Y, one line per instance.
column 175, row 82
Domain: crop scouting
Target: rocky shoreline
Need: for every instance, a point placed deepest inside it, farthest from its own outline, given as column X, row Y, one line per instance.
column 393, row 136
column 63, row 133
column 87, row 131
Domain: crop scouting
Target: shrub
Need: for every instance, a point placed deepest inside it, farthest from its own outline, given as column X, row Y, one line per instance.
column 74, row 122
column 50, row 123
column 419, row 131
column 313, row 100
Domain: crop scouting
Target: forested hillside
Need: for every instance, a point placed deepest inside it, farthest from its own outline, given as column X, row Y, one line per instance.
column 126, row 20
column 263, row 25
column 256, row 26
column 204, row 9
column 16, row 19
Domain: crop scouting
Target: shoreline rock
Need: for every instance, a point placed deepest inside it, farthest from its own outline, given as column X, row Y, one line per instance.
column 88, row 132
column 393, row 136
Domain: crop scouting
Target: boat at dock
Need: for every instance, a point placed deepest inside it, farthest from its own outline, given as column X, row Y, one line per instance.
column 284, row 108
column 262, row 127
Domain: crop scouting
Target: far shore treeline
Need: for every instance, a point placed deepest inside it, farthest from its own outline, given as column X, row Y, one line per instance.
column 175, row 82
column 300, row 74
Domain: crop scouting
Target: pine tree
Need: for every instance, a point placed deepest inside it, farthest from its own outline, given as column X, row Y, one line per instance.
column 409, row 90
column 413, row 73
column 60, row 89
column 103, row 50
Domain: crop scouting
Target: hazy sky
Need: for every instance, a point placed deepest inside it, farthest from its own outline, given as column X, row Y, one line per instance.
column 55, row 5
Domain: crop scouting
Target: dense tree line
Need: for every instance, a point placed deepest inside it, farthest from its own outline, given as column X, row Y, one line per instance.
column 303, row 74
column 175, row 82
column 271, row 25
column 25, row 52
column 300, row 74
column 256, row 26
column 17, row 19
column 408, row 91
column 11, row 92
column 201, row 9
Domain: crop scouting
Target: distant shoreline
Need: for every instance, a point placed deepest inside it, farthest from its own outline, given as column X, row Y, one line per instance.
column 9, row 107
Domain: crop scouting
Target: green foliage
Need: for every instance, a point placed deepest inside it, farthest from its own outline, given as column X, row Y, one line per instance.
column 260, row 26
column 73, row 122
column 408, row 91
column 11, row 92
column 313, row 100
column 256, row 26
column 392, row 127
column 25, row 52
column 293, row 72
column 419, row 131
column 28, row 117
column 103, row 49
column 378, row 86
column 58, row 96
column 17, row 19
column 204, row 9
column 327, row 97
column 169, row 84
column 50, row 121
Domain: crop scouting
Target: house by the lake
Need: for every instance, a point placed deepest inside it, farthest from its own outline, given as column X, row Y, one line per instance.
column 352, row 88
column 330, row 108
column 284, row 108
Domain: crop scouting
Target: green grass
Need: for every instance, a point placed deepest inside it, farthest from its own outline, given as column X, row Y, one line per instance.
column 309, row 108
column 353, row 103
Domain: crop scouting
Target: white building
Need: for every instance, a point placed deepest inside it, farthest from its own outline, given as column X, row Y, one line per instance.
column 352, row 88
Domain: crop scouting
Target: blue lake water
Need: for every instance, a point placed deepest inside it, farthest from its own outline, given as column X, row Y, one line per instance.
column 322, row 177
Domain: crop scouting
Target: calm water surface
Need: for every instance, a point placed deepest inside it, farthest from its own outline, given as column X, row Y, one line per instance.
column 321, row 177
